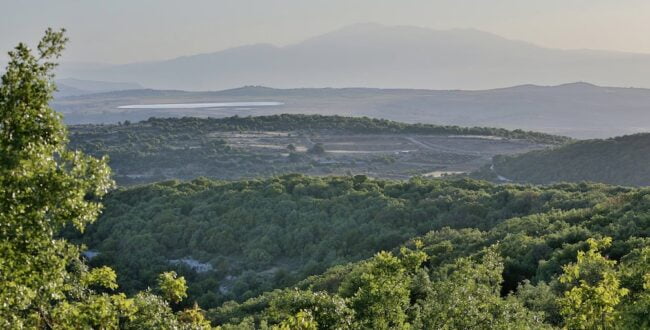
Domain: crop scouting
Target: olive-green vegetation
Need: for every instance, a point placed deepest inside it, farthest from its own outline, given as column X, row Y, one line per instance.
column 185, row 148
column 44, row 187
column 508, row 244
column 584, row 265
column 621, row 160
column 261, row 234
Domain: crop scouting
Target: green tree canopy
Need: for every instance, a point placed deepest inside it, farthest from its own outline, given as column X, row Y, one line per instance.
column 593, row 291
column 44, row 187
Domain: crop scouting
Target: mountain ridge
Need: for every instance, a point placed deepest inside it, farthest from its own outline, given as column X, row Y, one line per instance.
column 384, row 56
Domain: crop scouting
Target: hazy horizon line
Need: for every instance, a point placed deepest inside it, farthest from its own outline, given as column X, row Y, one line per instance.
column 582, row 83
column 341, row 28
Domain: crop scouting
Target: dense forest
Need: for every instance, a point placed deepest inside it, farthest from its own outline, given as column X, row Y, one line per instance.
column 260, row 234
column 509, row 246
column 582, row 263
column 621, row 161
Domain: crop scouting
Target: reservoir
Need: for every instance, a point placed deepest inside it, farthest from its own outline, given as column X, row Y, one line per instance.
column 200, row 105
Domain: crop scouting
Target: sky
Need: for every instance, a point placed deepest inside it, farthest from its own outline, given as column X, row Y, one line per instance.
column 123, row 31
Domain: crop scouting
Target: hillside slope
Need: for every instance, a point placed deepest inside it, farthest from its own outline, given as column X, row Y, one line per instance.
column 465, row 238
column 234, row 240
column 524, row 272
column 621, row 160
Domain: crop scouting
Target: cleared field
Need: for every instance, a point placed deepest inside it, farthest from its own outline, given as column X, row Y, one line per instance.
column 380, row 155
column 144, row 152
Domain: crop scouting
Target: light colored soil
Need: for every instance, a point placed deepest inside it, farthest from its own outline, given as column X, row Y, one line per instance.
column 396, row 155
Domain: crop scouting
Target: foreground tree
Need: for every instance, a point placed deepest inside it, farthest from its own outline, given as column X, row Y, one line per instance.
column 379, row 292
column 635, row 275
column 593, row 289
column 43, row 188
column 466, row 295
column 173, row 287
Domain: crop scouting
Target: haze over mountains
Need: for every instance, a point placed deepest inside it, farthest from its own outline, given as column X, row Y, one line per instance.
column 75, row 87
column 372, row 55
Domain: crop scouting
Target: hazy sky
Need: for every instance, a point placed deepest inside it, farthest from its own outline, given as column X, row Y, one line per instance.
column 119, row 31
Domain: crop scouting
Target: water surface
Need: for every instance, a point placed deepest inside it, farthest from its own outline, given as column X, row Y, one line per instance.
column 200, row 105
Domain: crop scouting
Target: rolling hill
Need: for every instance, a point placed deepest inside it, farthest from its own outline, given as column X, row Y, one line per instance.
column 249, row 147
column 621, row 161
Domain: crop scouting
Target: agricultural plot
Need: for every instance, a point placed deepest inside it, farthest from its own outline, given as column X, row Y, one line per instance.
column 140, row 153
column 390, row 156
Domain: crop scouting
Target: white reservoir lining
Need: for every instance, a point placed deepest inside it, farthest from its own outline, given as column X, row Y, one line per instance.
column 199, row 105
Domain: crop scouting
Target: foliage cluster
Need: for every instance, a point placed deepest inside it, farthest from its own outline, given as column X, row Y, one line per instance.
column 585, row 268
column 258, row 235
column 43, row 188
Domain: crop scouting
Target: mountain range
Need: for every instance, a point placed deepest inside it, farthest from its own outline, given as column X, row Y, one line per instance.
column 75, row 87
column 373, row 55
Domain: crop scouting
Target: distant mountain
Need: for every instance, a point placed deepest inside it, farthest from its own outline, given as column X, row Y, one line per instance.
column 578, row 110
column 75, row 87
column 622, row 160
column 63, row 90
column 372, row 55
